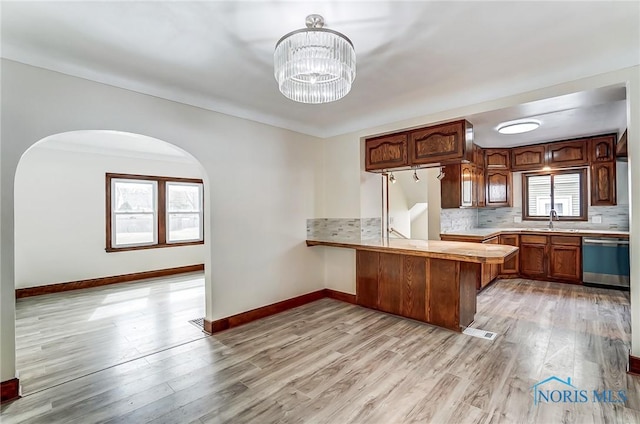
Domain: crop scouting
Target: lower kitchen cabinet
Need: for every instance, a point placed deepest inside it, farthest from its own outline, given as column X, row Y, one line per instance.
column 540, row 257
column 557, row 258
column 533, row 256
column 565, row 257
column 510, row 267
column 489, row 271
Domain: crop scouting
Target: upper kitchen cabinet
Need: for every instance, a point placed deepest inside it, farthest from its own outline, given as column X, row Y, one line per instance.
column 528, row 157
column 498, row 188
column 568, row 153
column 621, row 147
column 602, row 149
column 480, row 187
column 388, row 151
column 497, row 158
column 459, row 186
column 478, row 156
column 603, row 170
column 603, row 184
column 450, row 142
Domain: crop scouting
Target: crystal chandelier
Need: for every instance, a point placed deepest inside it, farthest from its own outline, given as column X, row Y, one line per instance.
column 314, row 64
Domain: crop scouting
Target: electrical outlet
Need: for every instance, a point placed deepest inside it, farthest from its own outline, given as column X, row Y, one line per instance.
column 517, row 219
column 596, row 219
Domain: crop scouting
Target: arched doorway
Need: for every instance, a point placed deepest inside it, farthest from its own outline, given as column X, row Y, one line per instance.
column 63, row 241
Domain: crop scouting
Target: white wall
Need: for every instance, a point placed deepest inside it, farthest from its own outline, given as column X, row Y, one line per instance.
column 399, row 216
column 60, row 217
column 434, row 203
column 261, row 185
column 420, row 221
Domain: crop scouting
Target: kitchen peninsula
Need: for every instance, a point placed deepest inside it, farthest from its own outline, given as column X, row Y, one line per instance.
column 431, row 281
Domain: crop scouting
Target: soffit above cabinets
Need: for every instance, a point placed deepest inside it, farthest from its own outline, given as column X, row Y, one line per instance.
column 599, row 111
column 414, row 58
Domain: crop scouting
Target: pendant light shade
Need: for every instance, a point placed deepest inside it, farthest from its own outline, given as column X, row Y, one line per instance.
column 314, row 64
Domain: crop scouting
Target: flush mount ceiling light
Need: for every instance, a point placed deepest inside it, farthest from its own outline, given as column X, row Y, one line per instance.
column 314, row 64
column 518, row 127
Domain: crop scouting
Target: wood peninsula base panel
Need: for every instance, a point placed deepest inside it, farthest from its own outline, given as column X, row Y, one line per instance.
column 437, row 291
column 9, row 390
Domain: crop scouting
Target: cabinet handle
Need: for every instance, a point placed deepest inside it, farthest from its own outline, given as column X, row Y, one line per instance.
column 595, row 241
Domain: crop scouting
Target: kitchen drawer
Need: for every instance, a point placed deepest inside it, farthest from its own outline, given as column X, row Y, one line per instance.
column 533, row 239
column 566, row 240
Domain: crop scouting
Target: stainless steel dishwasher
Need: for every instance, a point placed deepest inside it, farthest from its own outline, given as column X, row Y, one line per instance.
column 605, row 262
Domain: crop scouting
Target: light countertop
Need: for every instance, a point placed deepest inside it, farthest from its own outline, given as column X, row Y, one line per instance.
column 450, row 250
column 484, row 233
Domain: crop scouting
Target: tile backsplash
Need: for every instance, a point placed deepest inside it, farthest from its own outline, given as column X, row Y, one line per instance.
column 458, row 219
column 612, row 218
column 347, row 229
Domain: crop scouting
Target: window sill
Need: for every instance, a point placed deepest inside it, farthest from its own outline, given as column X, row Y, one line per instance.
column 573, row 219
column 151, row 246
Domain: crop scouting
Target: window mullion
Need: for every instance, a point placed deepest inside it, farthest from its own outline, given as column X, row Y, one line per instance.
column 552, row 190
column 162, row 212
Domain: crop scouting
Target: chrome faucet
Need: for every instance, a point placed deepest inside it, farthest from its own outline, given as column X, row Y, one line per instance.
column 552, row 214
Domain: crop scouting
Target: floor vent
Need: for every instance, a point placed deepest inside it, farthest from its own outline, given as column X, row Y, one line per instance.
column 483, row 334
column 198, row 322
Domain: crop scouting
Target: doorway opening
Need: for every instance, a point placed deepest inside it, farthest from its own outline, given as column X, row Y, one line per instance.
column 61, row 244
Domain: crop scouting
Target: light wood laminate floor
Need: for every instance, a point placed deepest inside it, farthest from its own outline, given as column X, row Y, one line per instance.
column 331, row 362
column 66, row 335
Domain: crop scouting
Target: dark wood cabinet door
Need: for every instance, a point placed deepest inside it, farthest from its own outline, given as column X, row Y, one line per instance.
column 367, row 268
column 450, row 187
column 602, row 149
column 603, row 184
column 478, row 156
column 570, row 153
column 533, row 260
column 528, row 157
column 621, row 147
column 497, row 158
column 511, row 266
column 386, row 152
column 565, row 263
column 498, row 187
column 480, row 187
column 440, row 143
column 467, row 198
column 489, row 272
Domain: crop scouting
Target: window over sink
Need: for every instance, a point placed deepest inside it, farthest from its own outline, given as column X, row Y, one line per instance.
column 563, row 191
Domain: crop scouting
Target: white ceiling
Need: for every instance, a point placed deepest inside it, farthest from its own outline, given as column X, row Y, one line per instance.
column 600, row 111
column 414, row 58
